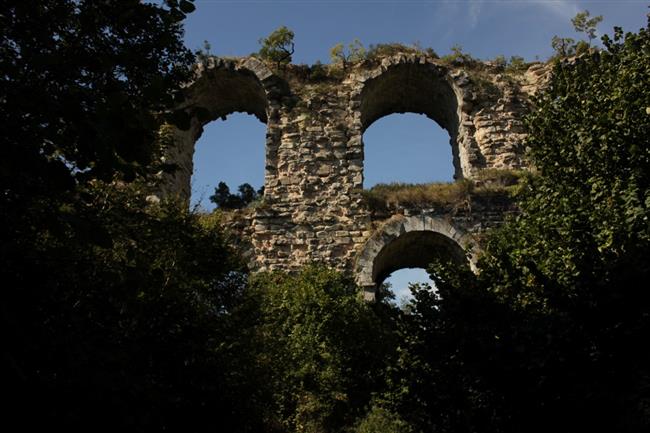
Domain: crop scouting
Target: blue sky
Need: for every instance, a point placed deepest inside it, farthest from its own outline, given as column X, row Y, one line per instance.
column 405, row 148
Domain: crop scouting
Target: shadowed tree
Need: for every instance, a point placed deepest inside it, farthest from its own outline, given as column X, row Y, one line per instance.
column 553, row 327
column 112, row 309
column 224, row 199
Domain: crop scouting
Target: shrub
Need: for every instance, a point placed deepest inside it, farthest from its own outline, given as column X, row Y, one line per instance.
column 379, row 420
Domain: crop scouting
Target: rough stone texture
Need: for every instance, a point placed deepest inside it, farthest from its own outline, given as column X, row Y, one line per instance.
column 313, row 209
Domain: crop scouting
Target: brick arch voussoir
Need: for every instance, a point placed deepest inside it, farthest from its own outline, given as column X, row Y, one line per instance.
column 391, row 231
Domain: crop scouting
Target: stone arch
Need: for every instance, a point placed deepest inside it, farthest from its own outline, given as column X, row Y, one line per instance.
column 409, row 83
column 221, row 87
column 408, row 241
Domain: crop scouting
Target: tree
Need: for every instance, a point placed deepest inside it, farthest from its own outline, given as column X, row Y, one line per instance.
column 381, row 420
column 583, row 24
column 123, row 314
column 247, row 193
column 320, row 349
column 355, row 53
column 203, row 54
column 278, row 47
column 222, row 196
column 111, row 322
column 564, row 47
column 552, row 326
column 571, row 261
column 458, row 56
column 245, row 196
column 81, row 85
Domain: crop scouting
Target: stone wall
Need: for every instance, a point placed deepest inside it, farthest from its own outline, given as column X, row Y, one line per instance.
column 313, row 209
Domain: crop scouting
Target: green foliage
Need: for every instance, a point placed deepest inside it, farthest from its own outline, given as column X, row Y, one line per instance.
column 246, row 195
column 598, row 107
column 203, row 54
column 552, row 328
column 379, row 420
column 80, row 85
column 439, row 382
column 582, row 23
column 376, row 51
column 500, row 61
column 320, row 346
column 382, row 196
column 563, row 47
column 458, row 57
column 116, row 311
column 278, row 47
column 501, row 177
column 494, row 184
column 516, row 64
column 318, row 72
column 355, row 52
column 119, row 312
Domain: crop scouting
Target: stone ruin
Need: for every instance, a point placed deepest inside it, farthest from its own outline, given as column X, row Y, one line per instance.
column 313, row 208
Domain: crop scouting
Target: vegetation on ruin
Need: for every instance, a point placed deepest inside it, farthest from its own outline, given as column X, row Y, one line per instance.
column 568, row 47
column 340, row 55
column 551, row 323
column 278, row 47
column 490, row 185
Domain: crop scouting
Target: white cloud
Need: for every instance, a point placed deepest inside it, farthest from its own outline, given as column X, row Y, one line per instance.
column 474, row 12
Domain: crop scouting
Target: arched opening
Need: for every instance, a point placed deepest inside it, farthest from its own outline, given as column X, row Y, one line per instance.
column 404, row 260
column 423, row 89
column 409, row 242
column 415, row 249
column 230, row 151
column 220, row 90
column 399, row 283
column 406, row 148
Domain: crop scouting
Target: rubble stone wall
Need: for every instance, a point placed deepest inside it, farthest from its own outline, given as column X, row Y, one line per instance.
column 313, row 209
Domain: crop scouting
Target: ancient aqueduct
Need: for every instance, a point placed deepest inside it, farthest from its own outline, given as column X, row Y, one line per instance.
column 313, row 207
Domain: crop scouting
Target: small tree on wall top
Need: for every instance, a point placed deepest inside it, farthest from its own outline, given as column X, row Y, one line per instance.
column 354, row 53
column 583, row 24
column 278, row 46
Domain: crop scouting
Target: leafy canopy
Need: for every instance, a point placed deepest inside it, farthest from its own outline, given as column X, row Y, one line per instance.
column 278, row 47
column 582, row 23
column 552, row 328
column 224, row 199
column 116, row 308
column 80, row 87
column 355, row 52
column 320, row 347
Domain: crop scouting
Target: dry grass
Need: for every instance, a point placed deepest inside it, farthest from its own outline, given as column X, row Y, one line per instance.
column 500, row 177
column 490, row 184
column 394, row 195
